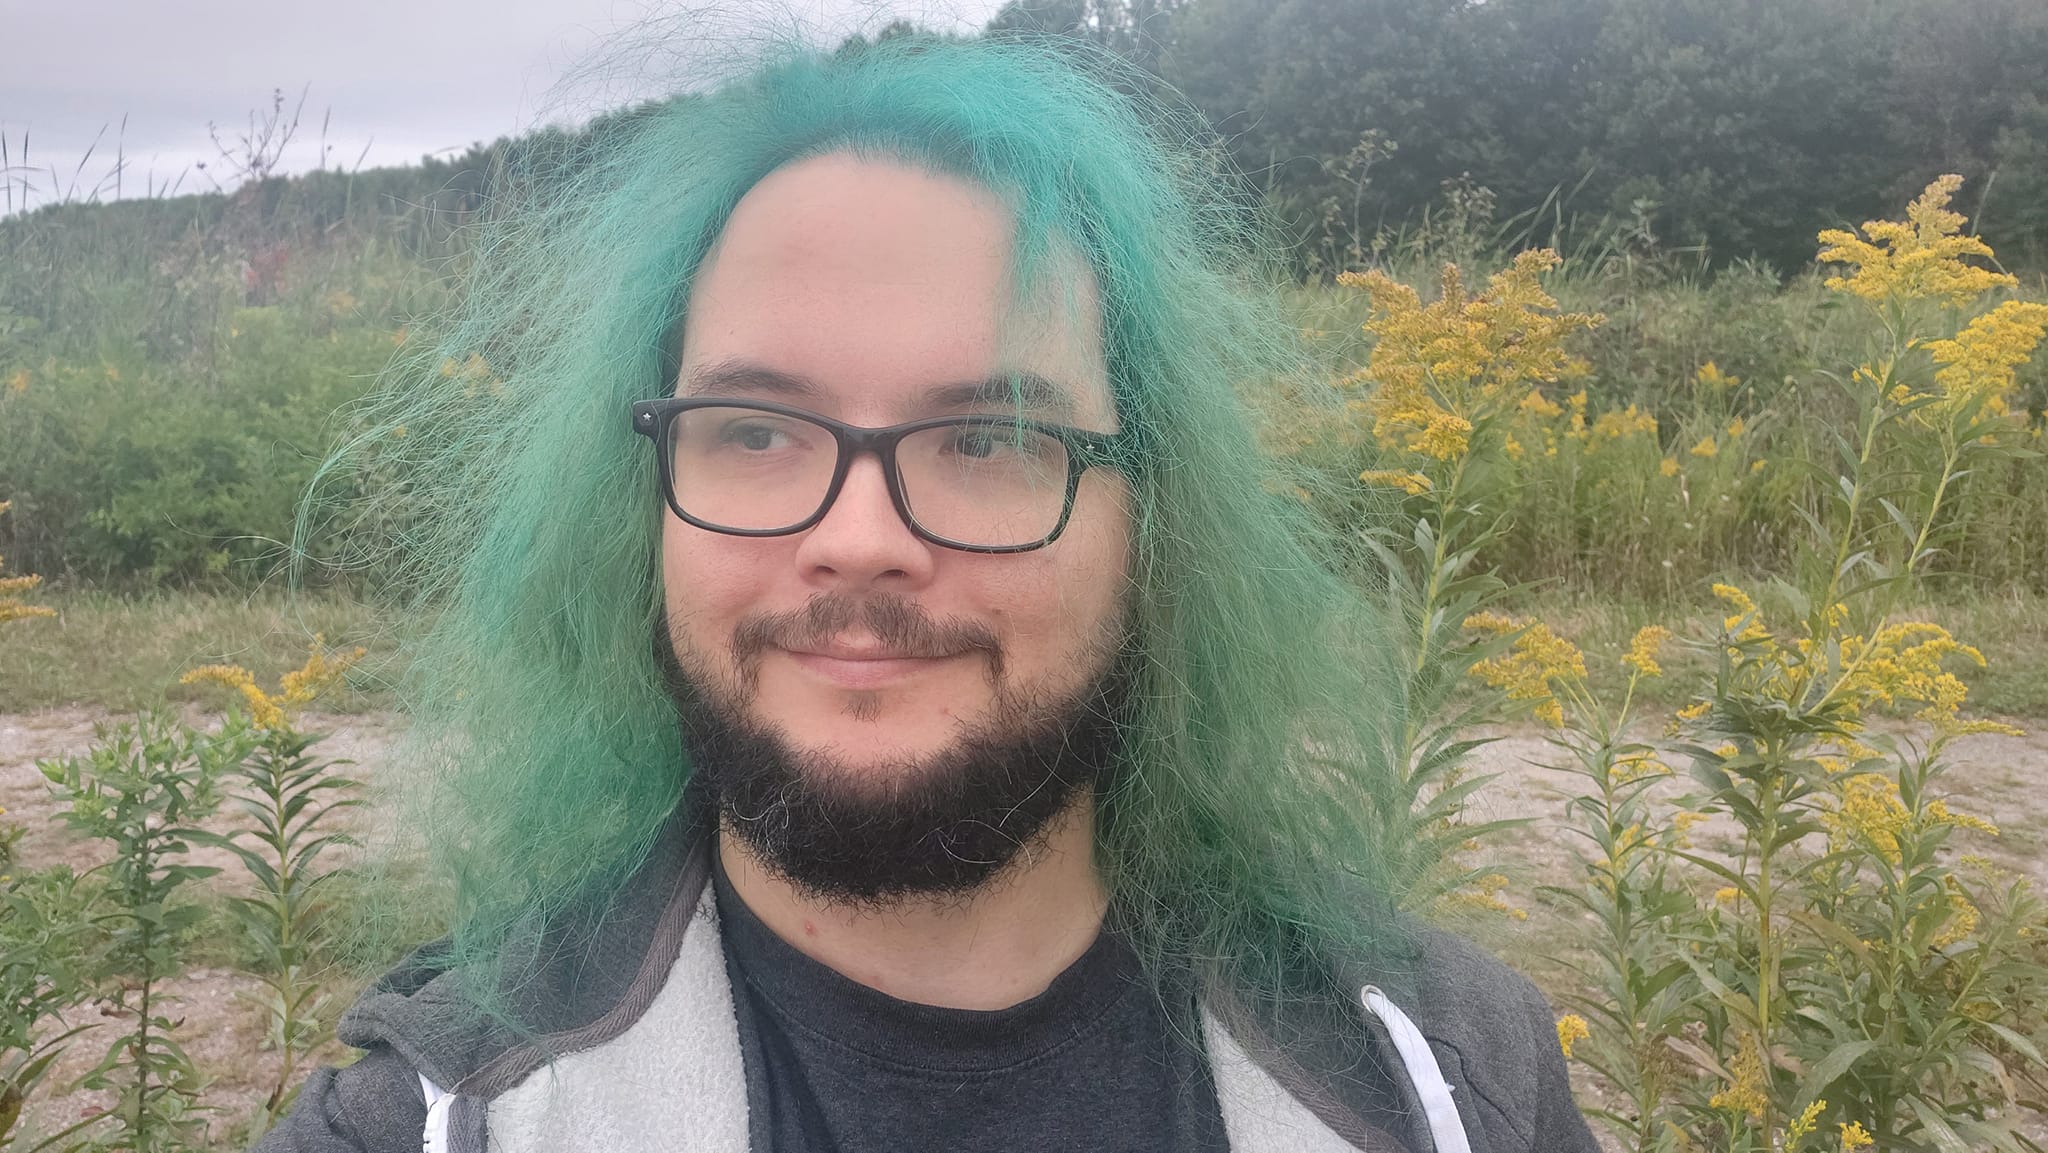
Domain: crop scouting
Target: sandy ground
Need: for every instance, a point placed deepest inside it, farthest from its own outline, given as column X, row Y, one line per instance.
column 2000, row 778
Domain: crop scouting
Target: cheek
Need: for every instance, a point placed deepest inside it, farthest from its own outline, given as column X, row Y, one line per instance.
column 708, row 583
column 1057, row 606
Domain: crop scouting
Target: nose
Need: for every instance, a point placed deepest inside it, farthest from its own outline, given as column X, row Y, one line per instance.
column 862, row 540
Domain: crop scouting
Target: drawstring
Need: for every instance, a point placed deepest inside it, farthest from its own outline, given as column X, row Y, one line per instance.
column 439, row 1101
column 1446, row 1132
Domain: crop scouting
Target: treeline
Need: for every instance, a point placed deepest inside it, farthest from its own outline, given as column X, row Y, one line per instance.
column 1741, row 127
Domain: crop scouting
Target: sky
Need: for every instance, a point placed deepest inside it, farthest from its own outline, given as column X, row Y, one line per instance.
column 391, row 79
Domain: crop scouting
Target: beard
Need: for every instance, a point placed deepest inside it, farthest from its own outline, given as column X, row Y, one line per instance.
column 946, row 824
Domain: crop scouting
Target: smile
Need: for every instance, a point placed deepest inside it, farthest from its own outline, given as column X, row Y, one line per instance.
column 862, row 669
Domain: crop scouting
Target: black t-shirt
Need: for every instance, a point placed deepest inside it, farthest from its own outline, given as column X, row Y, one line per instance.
column 833, row 1066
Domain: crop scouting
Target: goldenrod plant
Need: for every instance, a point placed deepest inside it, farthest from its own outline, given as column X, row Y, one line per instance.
column 44, row 976
column 287, row 795
column 14, row 588
column 1437, row 396
column 1845, row 973
column 140, row 789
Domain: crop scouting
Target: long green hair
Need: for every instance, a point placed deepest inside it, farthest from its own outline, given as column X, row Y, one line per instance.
column 1243, row 837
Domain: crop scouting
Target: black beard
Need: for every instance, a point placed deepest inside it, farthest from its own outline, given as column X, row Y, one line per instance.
column 941, row 826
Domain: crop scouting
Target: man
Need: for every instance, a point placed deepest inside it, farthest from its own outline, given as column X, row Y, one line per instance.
column 1027, row 793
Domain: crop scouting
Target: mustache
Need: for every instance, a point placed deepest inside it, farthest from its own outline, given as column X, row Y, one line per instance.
column 897, row 622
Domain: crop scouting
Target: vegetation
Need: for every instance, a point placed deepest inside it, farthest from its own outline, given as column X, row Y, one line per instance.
column 1845, row 976
column 1741, row 520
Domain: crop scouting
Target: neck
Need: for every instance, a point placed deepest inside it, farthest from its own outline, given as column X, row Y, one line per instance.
column 995, row 948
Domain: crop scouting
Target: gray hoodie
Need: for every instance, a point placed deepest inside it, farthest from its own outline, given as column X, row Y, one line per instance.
column 633, row 1042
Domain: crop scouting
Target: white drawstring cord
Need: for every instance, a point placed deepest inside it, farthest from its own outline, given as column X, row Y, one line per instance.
column 439, row 1101
column 1446, row 1132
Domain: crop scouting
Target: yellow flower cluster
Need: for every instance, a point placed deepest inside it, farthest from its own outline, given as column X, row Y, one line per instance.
column 1710, row 377
column 1919, row 258
column 1855, row 1137
column 1441, row 367
column 1530, row 669
column 1745, row 610
column 1744, row 1093
column 12, row 588
column 296, row 688
column 1485, row 894
column 1979, row 362
column 1903, row 663
column 1571, row 1029
column 1643, row 649
column 1412, row 483
column 1620, row 425
column 1869, row 811
column 1962, row 916
column 1803, row 1125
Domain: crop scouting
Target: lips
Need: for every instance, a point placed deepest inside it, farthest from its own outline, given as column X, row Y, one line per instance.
column 863, row 666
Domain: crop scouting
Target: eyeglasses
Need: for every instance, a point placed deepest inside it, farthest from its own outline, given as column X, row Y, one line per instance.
column 979, row 483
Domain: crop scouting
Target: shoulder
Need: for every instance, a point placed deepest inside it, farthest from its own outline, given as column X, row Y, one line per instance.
column 373, row 1106
column 1495, row 1033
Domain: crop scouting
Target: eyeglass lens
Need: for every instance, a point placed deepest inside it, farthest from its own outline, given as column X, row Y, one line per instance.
column 991, row 482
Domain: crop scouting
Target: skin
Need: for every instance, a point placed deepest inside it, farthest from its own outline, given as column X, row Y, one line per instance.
column 876, row 282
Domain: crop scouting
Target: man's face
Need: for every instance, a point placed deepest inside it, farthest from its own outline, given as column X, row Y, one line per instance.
column 863, row 290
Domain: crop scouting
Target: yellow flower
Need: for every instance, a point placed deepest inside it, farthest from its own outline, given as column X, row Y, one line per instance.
column 1639, row 766
column 1727, row 895
column 1744, row 1093
column 1538, row 405
column 1745, row 609
column 1903, row 663
column 1412, row 483
column 1710, row 376
column 1695, row 711
column 1642, row 651
column 1869, row 811
column 1628, row 422
column 1571, row 1029
column 1668, row 466
column 1854, row 1137
column 12, row 607
column 1918, row 258
column 1530, row 670
column 1962, row 916
column 1442, row 367
column 301, row 685
column 263, row 707
column 1756, row 466
column 1803, row 1125
column 1706, row 447
column 1980, row 362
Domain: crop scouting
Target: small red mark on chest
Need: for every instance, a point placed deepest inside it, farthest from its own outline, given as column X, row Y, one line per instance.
column 810, row 930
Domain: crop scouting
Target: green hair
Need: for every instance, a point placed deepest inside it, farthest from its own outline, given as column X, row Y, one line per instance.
column 1244, row 834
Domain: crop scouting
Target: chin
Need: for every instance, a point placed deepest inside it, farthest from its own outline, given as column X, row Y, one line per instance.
column 870, row 734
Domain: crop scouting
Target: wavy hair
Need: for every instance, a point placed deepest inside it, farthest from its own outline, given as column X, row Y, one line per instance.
column 1243, row 834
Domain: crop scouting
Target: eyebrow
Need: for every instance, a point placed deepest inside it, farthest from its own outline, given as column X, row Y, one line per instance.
column 1028, row 391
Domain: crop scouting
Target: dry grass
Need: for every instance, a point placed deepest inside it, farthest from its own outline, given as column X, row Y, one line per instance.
column 122, row 653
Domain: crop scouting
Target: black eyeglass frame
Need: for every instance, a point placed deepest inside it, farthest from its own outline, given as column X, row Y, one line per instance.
column 1085, row 450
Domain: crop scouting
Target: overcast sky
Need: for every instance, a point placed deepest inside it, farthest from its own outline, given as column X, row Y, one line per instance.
column 399, row 78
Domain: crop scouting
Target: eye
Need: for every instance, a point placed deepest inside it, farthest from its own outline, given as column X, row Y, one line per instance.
column 979, row 443
column 754, row 436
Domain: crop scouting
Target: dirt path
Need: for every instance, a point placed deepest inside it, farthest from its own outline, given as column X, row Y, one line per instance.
column 2004, row 779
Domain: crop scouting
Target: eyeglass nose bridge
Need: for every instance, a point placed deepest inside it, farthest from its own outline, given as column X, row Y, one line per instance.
column 855, row 442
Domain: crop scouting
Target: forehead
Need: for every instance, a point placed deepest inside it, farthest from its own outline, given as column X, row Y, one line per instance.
column 881, row 285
